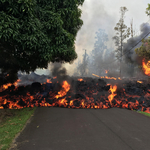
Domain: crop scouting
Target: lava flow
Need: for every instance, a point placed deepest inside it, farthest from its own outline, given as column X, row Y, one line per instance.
column 78, row 93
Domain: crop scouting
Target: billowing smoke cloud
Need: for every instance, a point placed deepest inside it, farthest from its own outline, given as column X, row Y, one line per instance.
column 59, row 71
column 131, row 58
column 133, row 43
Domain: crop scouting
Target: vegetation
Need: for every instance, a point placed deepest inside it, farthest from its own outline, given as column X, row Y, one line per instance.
column 144, row 49
column 12, row 123
column 144, row 113
column 83, row 67
column 35, row 32
column 122, row 32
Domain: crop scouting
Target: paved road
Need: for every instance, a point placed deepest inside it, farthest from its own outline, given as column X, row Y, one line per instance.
column 85, row 129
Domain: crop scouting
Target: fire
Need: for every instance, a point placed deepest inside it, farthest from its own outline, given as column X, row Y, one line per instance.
column 106, row 71
column 89, row 94
column 106, row 77
column 80, row 79
column 63, row 92
column 5, row 86
column 139, row 82
column 48, row 81
column 112, row 95
column 146, row 67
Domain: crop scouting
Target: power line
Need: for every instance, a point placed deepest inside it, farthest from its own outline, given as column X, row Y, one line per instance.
column 131, row 48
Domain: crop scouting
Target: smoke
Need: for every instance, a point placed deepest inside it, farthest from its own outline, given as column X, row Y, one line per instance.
column 133, row 43
column 59, row 71
column 131, row 59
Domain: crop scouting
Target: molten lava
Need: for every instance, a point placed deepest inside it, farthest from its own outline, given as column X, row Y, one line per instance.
column 146, row 67
column 106, row 77
column 63, row 92
column 92, row 93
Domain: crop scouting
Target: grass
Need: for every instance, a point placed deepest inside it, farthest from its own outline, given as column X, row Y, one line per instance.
column 144, row 113
column 11, row 123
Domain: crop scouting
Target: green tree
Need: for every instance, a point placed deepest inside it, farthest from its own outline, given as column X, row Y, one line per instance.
column 122, row 32
column 36, row 32
column 144, row 49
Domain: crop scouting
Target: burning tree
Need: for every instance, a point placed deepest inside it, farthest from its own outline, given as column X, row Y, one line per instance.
column 122, row 32
column 34, row 33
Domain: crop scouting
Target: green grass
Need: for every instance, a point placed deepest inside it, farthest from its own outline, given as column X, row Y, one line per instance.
column 12, row 123
column 144, row 113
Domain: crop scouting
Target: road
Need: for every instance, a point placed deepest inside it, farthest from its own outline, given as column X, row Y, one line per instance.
column 85, row 129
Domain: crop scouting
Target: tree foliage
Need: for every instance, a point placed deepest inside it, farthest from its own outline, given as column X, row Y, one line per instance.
column 144, row 49
column 122, row 32
column 35, row 32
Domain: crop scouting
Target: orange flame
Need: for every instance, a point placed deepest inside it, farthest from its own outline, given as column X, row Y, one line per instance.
column 5, row 86
column 146, row 67
column 63, row 92
column 106, row 77
column 80, row 80
column 112, row 95
column 106, row 71
column 48, row 81
column 139, row 82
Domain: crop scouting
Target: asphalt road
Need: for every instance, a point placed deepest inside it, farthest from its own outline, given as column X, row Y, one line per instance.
column 85, row 129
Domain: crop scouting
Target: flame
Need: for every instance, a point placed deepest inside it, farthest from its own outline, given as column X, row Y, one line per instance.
column 106, row 71
column 106, row 77
column 146, row 67
column 80, row 79
column 112, row 95
column 88, row 97
column 5, row 86
column 48, row 81
column 63, row 92
column 139, row 82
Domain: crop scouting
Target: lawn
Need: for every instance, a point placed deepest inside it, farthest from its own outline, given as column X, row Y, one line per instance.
column 12, row 122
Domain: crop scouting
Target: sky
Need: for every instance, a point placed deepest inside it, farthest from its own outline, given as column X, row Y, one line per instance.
column 105, row 14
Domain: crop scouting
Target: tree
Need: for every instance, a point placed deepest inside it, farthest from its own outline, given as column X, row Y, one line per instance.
column 97, row 54
column 82, row 67
column 144, row 49
column 122, row 32
column 36, row 32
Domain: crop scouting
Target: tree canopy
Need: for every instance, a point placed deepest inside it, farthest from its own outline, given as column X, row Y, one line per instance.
column 144, row 49
column 122, row 32
column 35, row 32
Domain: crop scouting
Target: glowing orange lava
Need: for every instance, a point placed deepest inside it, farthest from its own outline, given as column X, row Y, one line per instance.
column 5, row 86
column 139, row 82
column 63, row 92
column 106, row 77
